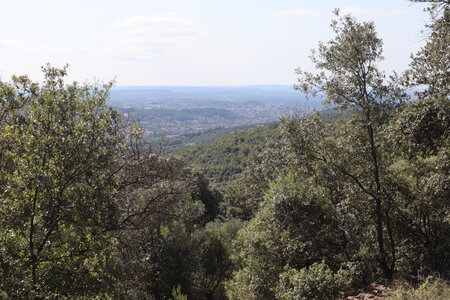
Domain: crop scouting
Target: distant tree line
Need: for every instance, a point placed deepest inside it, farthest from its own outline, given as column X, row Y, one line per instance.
column 174, row 115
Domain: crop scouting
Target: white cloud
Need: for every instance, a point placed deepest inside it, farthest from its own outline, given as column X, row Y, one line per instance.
column 165, row 27
column 142, row 37
column 301, row 12
column 146, row 36
column 353, row 10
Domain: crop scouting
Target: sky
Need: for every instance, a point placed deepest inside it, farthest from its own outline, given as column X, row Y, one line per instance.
column 190, row 42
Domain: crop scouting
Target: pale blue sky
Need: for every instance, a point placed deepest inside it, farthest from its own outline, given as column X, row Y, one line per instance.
column 190, row 42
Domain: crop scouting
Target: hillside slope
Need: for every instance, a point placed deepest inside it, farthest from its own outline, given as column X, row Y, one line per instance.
column 223, row 159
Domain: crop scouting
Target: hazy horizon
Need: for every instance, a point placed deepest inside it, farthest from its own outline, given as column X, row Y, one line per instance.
column 190, row 42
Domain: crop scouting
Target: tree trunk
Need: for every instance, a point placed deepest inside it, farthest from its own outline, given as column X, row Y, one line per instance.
column 387, row 271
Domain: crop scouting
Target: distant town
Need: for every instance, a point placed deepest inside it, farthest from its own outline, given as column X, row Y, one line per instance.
column 172, row 111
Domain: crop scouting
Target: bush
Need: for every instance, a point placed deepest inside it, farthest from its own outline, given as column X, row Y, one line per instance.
column 431, row 289
column 316, row 282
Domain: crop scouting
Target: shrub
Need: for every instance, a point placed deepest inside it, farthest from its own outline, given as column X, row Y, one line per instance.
column 316, row 282
column 431, row 289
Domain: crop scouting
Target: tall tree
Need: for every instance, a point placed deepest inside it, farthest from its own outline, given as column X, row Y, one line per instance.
column 350, row 79
column 60, row 145
column 421, row 170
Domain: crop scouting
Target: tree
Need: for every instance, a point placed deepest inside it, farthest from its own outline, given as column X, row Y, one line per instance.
column 351, row 81
column 215, row 267
column 420, row 181
column 293, row 230
column 61, row 146
column 164, row 241
column 429, row 67
column 157, row 215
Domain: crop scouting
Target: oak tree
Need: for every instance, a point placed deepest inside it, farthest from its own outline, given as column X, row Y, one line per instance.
column 60, row 146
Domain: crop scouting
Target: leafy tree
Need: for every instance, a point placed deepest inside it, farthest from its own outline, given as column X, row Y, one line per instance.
column 211, row 199
column 243, row 197
column 350, row 80
column 60, row 146
column 164, row 239
column 215, row 267
column 158, row 215
column 429, row 66
column 420, row 184
column 293, row 229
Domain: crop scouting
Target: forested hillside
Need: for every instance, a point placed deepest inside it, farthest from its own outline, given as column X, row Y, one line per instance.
column 223, row 159
column 186, row 141
column 221, row 155
column 318, row 206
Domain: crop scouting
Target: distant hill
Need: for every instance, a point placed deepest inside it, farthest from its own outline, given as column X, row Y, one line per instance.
column 135, row 96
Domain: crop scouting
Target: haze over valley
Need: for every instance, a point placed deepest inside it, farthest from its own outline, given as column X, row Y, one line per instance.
column 172, row 111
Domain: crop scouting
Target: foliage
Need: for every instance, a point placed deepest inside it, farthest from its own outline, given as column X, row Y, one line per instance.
column 222, row 160
column 422, row 127
column 165, row 237
column 316, row 282
column 215, row 263
column 60, row 147
column 100, row 213
column 210, row 198
column 431, row 289
column 243, row 196
column 350, row 79
column 370, row 188
column 420, row 184
column 292, row 229
column 189, row 140
column 177, row 295
column 311, row 208
column 429, row 66
column 154, row 238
